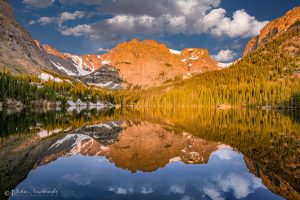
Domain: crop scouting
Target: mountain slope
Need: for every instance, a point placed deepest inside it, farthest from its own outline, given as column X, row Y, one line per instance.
column 274, row 29
column 18, row 51
column 64, row 63
column 106, row 76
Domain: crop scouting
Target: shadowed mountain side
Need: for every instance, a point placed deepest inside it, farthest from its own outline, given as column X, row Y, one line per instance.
column 18, row 156
column 106, row 76
column 18, row 51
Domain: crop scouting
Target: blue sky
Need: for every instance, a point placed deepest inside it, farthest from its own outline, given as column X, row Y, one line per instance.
column 93, row 26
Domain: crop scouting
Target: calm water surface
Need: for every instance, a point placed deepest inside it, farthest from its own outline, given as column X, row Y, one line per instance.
column 114, row 154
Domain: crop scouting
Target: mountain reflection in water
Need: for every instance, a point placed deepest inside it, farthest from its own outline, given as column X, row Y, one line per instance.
column 140, row 147
column 142, row 157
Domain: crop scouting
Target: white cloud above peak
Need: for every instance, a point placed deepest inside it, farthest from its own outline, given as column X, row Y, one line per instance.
column 225, row 56
column 66, row 16
column 241, row 25
column 60, row 19
column 134, row 18
column 46, row 20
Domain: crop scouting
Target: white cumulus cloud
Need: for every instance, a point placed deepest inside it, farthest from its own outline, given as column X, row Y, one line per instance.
column 45, row 20
column 241, row 25
column 225, row 56
column 146, row 190
column 225, row 154
column 177, row 189
column 134, row 18
column 240, row 185
column 60, row 19
column 213, row 193
column 77, row 30
column 38, row 3
column 120, row 190
column 67, row 16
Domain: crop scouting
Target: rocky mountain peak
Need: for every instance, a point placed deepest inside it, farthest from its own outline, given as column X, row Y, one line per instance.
column 146, row 63
column 6, row 10
column 274, row 29
column 197, row 60
column 53, row 51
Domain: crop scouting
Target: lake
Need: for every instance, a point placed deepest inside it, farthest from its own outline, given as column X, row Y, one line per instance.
column 150, row 153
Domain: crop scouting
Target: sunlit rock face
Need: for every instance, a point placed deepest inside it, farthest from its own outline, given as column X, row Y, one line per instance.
column 17, row 157
column 134, row 147
column 149, row 63
column 276, row 28
column 197, row 60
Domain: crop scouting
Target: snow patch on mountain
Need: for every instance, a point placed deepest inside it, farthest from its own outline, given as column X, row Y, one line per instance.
column 100, row 126
column 175, row 159
column 61, row 68
column 78, row 64
column 101, row 84
column 172, row 51
column 77, row 137
column 194, row 57
column 47, row 77
column 225, row 65
column 47, row 133
column 105, row 62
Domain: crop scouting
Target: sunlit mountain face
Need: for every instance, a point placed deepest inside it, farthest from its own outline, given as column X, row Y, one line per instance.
column 134, row 155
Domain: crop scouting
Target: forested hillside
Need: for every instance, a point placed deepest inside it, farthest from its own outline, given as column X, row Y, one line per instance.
column 28, row 88
column 268, row 76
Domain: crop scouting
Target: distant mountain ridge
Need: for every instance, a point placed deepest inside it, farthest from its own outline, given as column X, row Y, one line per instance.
column 138, row 63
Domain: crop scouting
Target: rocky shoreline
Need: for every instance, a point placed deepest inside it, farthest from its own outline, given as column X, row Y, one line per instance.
column 45, row 105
